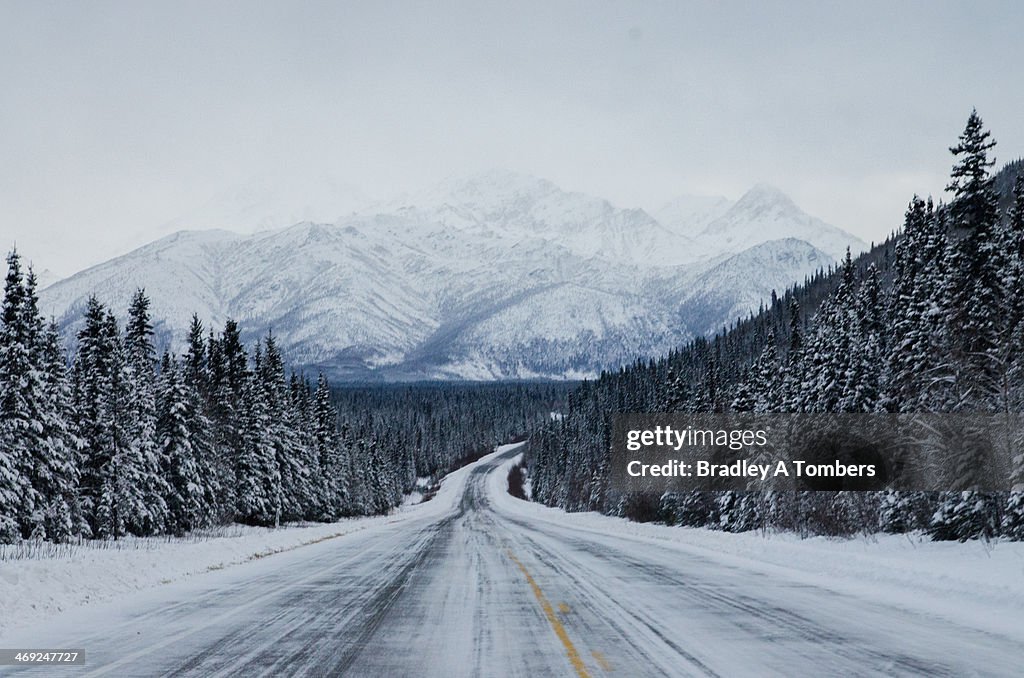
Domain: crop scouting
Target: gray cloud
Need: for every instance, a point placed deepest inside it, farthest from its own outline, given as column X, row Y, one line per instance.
column 117, row 117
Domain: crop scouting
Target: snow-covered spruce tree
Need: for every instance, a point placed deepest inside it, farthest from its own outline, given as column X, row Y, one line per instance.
column 183, row 470
column 960, row 516
column 92, row 381
column 227, row 365
column 739, row 511
column 829, row 356
column 122, row 488
column 311, row 497
column 214, row 466
column 696, row 509
column 63, row 514
column 380, row 484
column 358, row 502
column 1014, row 279
column 37, row 445
column 290, row 488
column 1013, row 512
column 330, row 453
column 793, row 377
column 258, row 478
column 918, row 371
column 977, row 288
column 21, row 427
column 123, row 507
column 745, row 399
column 708, row 395
column 141, row 459
column 768, row 386
column 978, row 282
column 900, row 512
column 40, row 469
column 864, row 375
column 677, row 392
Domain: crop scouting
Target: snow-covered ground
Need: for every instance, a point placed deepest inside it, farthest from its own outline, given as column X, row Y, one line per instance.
column 478, row 583
column 38, row 587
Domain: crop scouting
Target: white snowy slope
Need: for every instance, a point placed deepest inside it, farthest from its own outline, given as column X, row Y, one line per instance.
column 725, row 291
column 765, row 213
column 45, row 278
column 476, row 583
column 501, row 203
column 496, row 276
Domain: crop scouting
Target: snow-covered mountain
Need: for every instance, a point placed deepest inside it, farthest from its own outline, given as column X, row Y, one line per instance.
column 765, row 213
column 727, row 290
column 494, row 276
column 45, row 278
column 500, row 203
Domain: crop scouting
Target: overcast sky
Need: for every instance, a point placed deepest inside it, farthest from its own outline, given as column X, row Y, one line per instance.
column 118, row 117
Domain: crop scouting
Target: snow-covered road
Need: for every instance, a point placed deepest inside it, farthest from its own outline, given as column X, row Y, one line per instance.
column 476, row 583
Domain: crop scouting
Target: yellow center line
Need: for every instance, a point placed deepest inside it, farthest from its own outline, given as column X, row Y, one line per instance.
column 549, row 611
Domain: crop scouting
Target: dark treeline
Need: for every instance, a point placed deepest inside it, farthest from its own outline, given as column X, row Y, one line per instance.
column 435, row 427
column 932, row 320
column 115, row 441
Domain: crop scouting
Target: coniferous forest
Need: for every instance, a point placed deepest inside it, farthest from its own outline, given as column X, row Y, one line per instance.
column 932, row 320
column 115, row 440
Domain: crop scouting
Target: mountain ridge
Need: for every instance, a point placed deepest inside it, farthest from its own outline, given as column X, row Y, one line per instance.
column 500, row 279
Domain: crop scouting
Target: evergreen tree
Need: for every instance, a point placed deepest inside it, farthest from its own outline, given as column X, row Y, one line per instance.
column 290, row 477
column 257, row 496
column 332, row 458
column 978, row 283
column 141, row 459
column 64, row 517
column 20, row 418
column 92, row 383
column 793, row 375
column 975, row 204
column 1013, row 338
column 863, row 379
column 766, row 374
column 186, row 492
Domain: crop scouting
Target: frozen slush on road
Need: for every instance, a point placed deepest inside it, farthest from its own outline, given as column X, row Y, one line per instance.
column 478, row 583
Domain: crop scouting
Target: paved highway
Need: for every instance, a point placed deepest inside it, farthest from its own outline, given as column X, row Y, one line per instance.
column 472, row 587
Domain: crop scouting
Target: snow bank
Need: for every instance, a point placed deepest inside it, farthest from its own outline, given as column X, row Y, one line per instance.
column 35, row 588
column 973, row 583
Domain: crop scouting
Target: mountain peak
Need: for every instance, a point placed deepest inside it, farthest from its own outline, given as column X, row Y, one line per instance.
column 765, row 213
column 495, row 273
column 765, row 195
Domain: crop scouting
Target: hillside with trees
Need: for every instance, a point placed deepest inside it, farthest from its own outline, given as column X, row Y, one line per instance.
column 929, row 321
column 115, row 440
